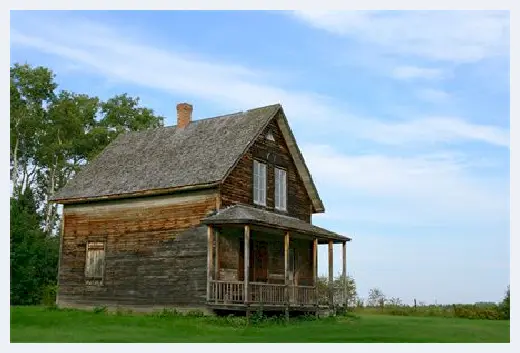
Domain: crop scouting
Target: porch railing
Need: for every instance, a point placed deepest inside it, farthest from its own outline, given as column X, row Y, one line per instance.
column 232, row 292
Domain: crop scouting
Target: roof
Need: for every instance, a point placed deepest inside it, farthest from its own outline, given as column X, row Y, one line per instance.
column 244, row 214
column 168, row 158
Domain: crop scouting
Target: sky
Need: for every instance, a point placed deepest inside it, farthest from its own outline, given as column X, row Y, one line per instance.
column 402, row 118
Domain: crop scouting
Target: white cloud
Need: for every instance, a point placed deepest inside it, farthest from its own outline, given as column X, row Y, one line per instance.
column 432, row 95
column 430, row 130
column 121, row 56
column 425, row 188
column 415, row 72
column 455, row 36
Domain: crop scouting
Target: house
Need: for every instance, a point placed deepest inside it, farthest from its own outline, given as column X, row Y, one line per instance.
column 209, row 214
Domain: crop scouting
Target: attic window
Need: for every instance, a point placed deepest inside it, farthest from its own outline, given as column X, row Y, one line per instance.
column 269, row 136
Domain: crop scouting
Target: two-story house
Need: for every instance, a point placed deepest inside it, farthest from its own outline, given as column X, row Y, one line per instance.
column 210, row 214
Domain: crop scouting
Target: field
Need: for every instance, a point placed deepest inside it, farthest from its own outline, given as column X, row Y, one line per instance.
column 38, row 324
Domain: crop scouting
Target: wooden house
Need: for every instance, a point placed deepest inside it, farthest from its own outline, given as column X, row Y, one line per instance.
column 210, row 214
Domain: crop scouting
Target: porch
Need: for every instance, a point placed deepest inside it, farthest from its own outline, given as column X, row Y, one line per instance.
column 269, row 264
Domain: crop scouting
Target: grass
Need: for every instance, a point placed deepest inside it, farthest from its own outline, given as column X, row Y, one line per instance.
column 38, row 324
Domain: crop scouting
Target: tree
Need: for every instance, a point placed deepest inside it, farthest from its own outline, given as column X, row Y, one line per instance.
column 394, row 301
column 33, row 255
column 338, row 288
column 375, row 297
column 31, row 90
column 504, row 306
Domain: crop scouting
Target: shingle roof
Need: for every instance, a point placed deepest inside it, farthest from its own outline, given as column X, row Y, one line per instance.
column 169, row 157
column 244, row 214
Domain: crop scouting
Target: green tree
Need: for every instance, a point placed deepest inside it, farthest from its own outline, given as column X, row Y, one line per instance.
column 33, row 255
column 338, row 290
column 376, row 297
column 504, row 306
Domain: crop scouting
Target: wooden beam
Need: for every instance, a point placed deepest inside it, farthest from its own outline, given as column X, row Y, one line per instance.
column 286, row 262
column 315, row 267
column 210, row 262
column 315, row 261
column 62, row 235
column 331, row 274
column 345, row 284
column 217, row 243
column 246, row 263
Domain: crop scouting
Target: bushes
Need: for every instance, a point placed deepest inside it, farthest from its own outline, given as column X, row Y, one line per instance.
column 489, row 312
column 34, row 254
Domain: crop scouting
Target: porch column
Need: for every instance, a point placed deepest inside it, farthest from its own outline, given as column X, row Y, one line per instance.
column 246, row 264
column 217, row 235
column 210, row 262
column 345, row 284
column 286, row 261
column 331, row 274
column 315, row 268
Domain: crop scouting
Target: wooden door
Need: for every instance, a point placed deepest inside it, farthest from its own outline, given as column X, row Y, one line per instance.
column 260, row 259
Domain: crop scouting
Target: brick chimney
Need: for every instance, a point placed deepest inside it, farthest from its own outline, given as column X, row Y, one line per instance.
column 184, row 111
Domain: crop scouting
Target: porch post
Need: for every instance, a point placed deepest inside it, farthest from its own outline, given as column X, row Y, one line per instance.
column 217, row 236
column 286, row 259
column 331, row 275
column 345, row 284
column 246, row 264
column 210, row 262
column 315, row 268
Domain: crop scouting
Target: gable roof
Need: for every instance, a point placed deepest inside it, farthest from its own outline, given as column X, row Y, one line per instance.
column 169, row 158
column 245, row 214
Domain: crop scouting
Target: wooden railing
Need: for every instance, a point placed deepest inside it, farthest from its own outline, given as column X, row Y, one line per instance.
column 232, row 292
column 268, row 294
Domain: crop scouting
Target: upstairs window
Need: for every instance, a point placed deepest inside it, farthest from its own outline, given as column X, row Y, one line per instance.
column 259, row 183
column 269, row 136
column 95, row 263
column 280, row 189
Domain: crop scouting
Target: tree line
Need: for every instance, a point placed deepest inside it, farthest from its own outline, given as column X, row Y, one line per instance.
column 53, row 133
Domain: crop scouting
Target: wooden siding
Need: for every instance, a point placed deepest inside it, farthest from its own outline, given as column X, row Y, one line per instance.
column 155, row 251
column 238, row 186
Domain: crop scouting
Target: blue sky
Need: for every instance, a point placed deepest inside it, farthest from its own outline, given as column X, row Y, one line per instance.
column 402, row 117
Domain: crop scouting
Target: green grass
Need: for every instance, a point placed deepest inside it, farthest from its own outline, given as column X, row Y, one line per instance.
column 38, row 324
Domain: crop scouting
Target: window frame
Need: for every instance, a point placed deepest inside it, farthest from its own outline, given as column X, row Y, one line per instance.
column 259, row 183
column 280, row 195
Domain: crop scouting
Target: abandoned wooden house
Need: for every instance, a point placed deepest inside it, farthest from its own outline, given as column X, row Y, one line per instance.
column 210, row 214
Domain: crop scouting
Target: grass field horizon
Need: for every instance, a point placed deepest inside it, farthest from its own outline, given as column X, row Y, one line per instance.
column 39, row 324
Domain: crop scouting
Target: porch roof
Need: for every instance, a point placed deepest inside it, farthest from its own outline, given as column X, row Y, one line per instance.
column 244, row 214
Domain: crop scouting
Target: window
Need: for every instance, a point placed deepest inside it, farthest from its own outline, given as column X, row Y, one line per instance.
column 259, row 179
column 95, row 262
column 269, row 136
column 280, row 189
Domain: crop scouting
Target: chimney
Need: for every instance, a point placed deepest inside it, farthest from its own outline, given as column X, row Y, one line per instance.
column 184, row 111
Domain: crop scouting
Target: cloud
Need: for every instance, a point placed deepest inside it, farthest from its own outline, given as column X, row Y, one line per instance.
column 432, row 95
column 422, row 189
column 414, row 72
column 451, row 36
column 119, row 55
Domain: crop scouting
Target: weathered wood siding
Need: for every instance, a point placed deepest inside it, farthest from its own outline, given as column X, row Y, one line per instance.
column 155, row 251
column 238, row 186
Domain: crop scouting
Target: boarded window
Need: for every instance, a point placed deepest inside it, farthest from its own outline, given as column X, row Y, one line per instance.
column 259, row 183
column 280, row 189
column 95, row 262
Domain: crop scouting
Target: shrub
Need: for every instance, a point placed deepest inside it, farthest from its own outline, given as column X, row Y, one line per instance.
column 100, row 309
column 49, row 295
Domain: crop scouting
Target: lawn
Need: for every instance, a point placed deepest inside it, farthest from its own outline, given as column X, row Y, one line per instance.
column 38, row 324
